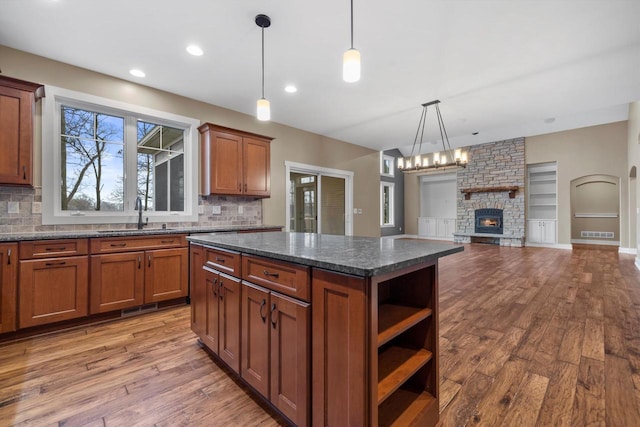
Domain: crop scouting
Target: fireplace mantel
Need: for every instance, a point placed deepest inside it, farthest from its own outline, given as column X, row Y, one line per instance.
column 511, row 190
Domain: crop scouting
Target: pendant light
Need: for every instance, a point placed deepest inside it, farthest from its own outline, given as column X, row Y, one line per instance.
column 351, row 59
column 263, row 110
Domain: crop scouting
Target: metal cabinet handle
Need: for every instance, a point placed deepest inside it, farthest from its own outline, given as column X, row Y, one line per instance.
column 149, row 262
column 9, row 257
column 273, row 310
column 139, row 261
column 166, row 241
column 245, row 188
column 263, row 316
column 24, row 172
column 218, row 259
column 213, row 288
column 52, row 264
column 118, row 245
column 266, row 273
column 221, row 289
column 61, row 248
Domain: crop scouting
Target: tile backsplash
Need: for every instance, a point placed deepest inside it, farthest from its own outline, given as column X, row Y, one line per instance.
column 20, row 212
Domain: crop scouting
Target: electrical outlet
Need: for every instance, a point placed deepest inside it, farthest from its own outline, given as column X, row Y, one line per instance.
column 359, row 211
column 200, row 209
column 240, row 209
column 13, row 207
column 36, row 207
column 216, row 209
column 355, row 211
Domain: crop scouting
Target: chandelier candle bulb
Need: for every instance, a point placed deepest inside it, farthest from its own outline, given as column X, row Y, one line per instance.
column 464, row 158
column 458, row 155
column 443, row 159
column 400, row 163
column 436, row 158
column 417, row 161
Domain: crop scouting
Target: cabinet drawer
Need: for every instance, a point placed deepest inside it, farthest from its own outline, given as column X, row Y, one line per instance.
column 225, row 261
column 104, row 245
column 284, row 277
column 53, row 248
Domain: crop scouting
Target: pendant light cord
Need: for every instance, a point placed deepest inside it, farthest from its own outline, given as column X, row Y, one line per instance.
column 263, row 62
column 351, row 24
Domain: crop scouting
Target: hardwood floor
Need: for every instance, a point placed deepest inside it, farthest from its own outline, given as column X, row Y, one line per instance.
column 528, row 337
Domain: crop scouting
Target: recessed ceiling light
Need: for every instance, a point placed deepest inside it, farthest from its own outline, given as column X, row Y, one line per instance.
column 137, row 73
column 195, row 50
column 475, row 133
column 290, row 89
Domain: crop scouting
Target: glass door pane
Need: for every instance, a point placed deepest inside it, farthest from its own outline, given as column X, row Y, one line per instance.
column 304, row 199
column 332, row 205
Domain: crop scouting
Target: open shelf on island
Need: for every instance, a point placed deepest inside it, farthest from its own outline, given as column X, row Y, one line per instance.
column 407, row 406
column 396, row 365
column 395, row 319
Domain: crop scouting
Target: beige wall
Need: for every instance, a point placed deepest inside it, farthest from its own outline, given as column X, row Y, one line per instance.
column 289, row 143
column 580, row 152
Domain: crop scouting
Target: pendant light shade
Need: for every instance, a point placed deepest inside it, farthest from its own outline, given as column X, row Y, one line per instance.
column 263, row 110
column 351, row 59
column 351, row 66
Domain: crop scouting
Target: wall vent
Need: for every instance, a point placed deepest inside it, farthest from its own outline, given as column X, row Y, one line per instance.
column 598, row 234
column 134, row 311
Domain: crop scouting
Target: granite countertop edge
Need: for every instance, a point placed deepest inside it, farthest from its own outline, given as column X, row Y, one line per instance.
column 337, row 266
column 51, row 235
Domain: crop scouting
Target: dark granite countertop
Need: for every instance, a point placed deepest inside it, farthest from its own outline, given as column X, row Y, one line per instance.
column 47, row 235
column 360, row 256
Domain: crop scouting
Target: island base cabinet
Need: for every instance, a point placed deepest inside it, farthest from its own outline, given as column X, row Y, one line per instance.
column 53, row 290
column 275, row 350
column 8, row 286
column 339, row 342
column 198, row 288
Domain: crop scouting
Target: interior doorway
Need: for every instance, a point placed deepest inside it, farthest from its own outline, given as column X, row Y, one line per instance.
column 319, row 200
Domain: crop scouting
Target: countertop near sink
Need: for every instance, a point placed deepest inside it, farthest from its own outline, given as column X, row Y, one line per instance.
column 47, row 235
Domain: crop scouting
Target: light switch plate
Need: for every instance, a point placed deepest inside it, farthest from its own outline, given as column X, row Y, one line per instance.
column 216, row 210
column 36, row 207
column 240, row 209
column 13, row 207
column 200, row 209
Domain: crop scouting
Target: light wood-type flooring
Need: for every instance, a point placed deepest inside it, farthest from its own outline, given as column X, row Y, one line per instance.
column 529, row 337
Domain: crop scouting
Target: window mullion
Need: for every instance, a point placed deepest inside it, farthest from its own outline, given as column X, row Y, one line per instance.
column 130, row 163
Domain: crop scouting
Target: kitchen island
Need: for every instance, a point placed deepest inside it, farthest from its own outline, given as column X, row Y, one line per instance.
column 329, row 330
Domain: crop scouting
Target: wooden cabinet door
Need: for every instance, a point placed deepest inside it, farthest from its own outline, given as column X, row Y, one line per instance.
column 117, row 281
column 198, row 292
column 226, row 163
column 166, row 274
column 255, row 338
column 256, row 167
column 52, row 290
column 290, row 341
column 229, row 317
column 339, row 337
column 210, row 337
column 8, row 286
column 16, row 136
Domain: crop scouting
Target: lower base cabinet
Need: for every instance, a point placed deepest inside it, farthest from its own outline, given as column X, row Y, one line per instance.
column 52, row 290
column 8, row 286
column 275, row 349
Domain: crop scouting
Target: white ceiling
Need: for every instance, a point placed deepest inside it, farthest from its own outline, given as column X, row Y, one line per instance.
column 500, row 68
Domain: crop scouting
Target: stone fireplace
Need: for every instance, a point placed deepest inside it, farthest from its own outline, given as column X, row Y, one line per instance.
column 493, row 170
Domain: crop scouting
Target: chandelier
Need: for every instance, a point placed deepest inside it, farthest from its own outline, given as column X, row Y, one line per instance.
column 448, row 158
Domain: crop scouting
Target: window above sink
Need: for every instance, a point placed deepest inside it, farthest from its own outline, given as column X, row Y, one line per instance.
column 105, row 153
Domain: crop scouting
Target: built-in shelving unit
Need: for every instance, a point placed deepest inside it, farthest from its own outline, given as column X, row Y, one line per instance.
column 407, row 377
column 542, row 203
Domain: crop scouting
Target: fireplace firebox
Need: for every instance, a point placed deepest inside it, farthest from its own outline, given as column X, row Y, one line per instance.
column 489, row 221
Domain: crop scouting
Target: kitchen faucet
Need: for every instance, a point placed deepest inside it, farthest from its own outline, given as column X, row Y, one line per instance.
column 138, row 207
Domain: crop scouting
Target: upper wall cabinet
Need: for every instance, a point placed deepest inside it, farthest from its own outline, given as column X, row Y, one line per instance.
column 17, row 108
column 233, row 162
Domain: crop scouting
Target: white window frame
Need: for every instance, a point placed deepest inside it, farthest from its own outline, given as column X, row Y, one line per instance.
column 320, row 171
column 51, row 167
column 392, row 162
column 391, row 187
